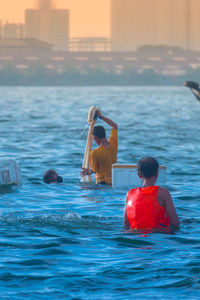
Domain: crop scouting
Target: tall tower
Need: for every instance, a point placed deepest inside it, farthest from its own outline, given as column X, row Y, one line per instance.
column 155, row 22
column 195, row 25
column 188, row 19
column 168, row 22
column 44, row 4
column 10, row 31
column 59, row 29
column 1, row 29
column 133, row 24
column 122, row 24
column 48, row 25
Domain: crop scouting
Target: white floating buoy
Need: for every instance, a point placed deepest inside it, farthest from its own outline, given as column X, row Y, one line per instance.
column 127, row 176
column 10, row 172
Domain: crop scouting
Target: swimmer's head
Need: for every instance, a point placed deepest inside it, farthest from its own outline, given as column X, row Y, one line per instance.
column 98, row 134
column 148, row 167
column 52, row 176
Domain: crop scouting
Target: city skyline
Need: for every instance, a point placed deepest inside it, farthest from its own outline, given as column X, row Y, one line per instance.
column 129, row 23
column 87, row 18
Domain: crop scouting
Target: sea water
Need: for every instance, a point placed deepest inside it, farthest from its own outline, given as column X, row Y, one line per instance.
column 66, row 241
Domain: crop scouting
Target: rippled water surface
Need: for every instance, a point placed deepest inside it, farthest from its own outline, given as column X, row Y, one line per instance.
column 66, row 241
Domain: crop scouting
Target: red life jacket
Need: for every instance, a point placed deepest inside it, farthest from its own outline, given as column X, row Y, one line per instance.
column 144, row 211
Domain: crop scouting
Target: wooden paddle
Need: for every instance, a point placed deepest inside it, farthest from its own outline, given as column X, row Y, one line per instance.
column 92, row 116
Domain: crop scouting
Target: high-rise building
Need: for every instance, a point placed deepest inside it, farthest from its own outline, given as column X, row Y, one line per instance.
column 48, row 25
column 21, row 31
column 1, row 29
column 13, row 31
column 170, row 22
column 194, row 24
column 10, row 31
column 44, row 4
column 59, row 29
column 135, row 23
column 131, row 24
column 32, row 23
column 123, row 24
column 178, row 23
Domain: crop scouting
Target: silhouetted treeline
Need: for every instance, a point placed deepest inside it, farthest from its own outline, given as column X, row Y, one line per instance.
column 38, row 75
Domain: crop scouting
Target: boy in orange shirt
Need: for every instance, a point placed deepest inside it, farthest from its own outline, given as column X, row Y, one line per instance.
column 150, row 208
column 102, row 158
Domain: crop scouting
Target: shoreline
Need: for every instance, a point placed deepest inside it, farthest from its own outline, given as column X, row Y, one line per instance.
column 91, row 85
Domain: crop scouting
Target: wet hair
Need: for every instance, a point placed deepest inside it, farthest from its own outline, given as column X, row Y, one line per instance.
column 48, row 176
column 147, row 167
column 99, row 132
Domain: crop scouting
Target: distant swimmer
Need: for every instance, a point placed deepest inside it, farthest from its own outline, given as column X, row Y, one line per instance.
column 102, row 158
column 194, row 88
column 52, row 176
column 150, row 208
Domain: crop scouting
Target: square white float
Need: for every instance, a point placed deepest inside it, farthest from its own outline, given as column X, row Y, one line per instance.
column 127, row 176
column 10, row 172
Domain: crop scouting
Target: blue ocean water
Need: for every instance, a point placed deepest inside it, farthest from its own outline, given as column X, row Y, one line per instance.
column 66, row 241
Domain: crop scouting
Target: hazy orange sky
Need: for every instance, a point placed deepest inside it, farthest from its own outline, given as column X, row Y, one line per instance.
column 87, row 17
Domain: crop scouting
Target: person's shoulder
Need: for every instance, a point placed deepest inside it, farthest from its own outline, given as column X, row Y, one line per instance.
column 131, row 191
column 163, row 191
column 163, row 196
column 94, row 152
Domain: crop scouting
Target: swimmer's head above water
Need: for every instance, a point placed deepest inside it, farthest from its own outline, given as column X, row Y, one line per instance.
column 99, row 134
column 52, row 176
column 148, row 167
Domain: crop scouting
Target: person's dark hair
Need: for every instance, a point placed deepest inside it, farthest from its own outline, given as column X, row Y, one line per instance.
column 48, row 175
column 99, row 131
column 147, row 167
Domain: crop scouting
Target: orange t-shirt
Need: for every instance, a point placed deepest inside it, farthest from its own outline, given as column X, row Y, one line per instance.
column 102, row 158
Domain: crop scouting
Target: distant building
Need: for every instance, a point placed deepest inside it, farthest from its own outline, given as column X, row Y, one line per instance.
column 32, row 26
column 48, row 25
column 10, row 31
column 123, row 25
column 90, row 44
column 1, row 29
column 44, row 4
column 136, row 23
column 27, row 54
column 22, row 47
column 59, row 29
column 21, row 31
column 195, row 20
column 171, row 23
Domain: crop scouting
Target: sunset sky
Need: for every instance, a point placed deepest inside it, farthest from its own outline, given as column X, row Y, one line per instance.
column 87, row 17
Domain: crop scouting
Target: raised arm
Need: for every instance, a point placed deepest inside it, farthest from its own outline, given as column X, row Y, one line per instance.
column 108, row 121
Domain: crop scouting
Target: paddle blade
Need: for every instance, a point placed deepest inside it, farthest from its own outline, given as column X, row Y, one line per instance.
column 86, row 179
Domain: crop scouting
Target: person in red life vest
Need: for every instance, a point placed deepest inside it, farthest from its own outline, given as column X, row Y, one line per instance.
column 150, row 208
column 52, row 176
